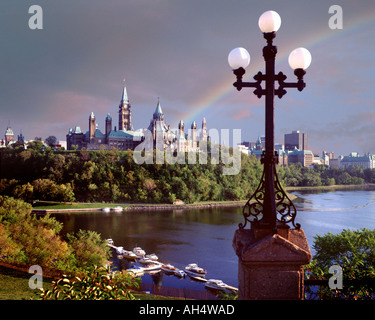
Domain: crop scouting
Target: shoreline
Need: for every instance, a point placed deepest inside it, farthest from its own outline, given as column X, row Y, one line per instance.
column 95, row 207
column 366, row 186
column 147, row 207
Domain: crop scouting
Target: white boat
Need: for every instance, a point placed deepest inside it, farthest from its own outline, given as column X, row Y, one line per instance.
column 146, row 261
column 180, row 273
column 137, row 271
column 152, row 267
column 168, row 268
column 110, row 241
column 117, row 209
column 130, row 255
column 139, row 251
column 152, row 256
column 215, row 284
column 120, row 250
column 106, row 209
column 192, row 269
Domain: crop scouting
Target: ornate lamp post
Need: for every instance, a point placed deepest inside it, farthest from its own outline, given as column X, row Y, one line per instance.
column 269, row 207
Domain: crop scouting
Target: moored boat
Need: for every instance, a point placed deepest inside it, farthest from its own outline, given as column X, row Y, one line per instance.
column 192, row 269
column 168, row 268
column 215, row 284
column 139, row 251
column 117, row 209
column 145, row 260
column 120, row 250
column 180, row 273
column 152, row 267
column 137, row 271
column 152, row 256
column 106, row 209
column 130, row 255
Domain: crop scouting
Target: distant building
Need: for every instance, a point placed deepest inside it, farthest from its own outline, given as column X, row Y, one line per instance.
column 9, row 136
column 127, row 138
column 335, row 163
column 305, row 157
column 94, row 139
column 244, row 149
column 294, row 140
column 367, row 161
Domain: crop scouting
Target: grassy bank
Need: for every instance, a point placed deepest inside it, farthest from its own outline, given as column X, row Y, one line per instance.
column 14, row 285
column 52, row 206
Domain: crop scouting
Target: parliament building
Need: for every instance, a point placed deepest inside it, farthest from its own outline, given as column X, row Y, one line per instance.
column 125, row 137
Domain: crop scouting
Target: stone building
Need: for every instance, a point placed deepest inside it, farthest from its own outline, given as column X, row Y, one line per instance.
column 127, row 138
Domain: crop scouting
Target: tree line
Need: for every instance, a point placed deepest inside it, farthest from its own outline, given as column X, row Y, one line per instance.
column 40, row 173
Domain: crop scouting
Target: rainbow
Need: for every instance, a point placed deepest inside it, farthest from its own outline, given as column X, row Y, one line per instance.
column 217, row 96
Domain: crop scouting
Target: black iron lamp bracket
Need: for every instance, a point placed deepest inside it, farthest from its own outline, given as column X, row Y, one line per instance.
column 280, row 78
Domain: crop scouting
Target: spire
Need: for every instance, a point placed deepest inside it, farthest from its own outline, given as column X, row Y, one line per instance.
column 124, row 98
column 158, row 111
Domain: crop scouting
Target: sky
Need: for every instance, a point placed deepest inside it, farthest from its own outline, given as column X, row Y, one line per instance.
column 176, row 50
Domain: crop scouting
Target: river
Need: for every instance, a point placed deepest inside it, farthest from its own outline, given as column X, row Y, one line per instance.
column 205, row 236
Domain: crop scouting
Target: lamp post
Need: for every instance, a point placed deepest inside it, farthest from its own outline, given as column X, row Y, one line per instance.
column 269, row 207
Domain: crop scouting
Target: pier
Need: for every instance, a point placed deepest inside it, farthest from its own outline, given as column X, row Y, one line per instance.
column 140, row 270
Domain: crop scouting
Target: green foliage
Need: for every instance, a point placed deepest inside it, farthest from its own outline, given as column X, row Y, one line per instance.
column 44, row 174
column 89, row 248
column 27, row 240
column 354, row 252
column 100, row 284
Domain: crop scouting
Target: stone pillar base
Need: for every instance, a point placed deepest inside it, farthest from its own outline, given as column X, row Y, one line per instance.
column 270, row 266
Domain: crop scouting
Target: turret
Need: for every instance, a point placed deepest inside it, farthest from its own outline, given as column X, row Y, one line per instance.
column 92, row 126
column 108, row 126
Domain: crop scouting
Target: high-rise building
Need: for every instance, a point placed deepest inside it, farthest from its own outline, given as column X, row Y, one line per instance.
column 295, row 140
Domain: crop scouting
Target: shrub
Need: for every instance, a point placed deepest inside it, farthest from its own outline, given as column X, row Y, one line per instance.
column 89, row 249
column 101, row 284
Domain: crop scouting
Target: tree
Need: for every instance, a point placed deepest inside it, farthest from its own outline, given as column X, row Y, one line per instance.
column 354, row 252
column 51, row 141
column 89, row 248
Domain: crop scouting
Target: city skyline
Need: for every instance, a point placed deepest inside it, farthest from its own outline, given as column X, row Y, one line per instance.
column 51, row 79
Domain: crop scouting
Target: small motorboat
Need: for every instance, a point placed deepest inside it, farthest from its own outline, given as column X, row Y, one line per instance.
column 152, row 256
column 152, row 267
column 180, row 273
column 120, row 250
column 130, row 255
column 168, row 268
column 117, row 209
column 215, row 284
column 137, row 271
column 193, row 270
column 106, row 209
column 145, row 260
column 139, row 251
column 110, row 241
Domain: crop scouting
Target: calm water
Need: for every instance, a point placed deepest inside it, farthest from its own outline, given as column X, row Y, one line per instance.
column 205, row 236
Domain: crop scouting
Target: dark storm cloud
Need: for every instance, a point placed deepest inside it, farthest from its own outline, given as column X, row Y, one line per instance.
column 51, row 79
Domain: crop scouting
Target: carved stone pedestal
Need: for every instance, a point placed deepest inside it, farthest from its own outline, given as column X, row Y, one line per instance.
column 270, row 266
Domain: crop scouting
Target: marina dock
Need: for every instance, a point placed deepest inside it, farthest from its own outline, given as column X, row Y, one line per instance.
column 141, row 270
